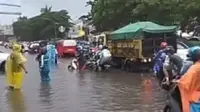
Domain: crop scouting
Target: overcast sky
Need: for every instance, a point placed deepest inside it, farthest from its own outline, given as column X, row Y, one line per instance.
column 30, row 8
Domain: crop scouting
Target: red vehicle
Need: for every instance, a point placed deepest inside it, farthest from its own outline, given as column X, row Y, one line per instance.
column 66, row 47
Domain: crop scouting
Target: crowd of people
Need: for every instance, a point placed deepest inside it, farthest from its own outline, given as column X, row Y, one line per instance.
column 15, row 64
column 168, row 67
column 100, row 54
column 171, row 69
column 47, row 58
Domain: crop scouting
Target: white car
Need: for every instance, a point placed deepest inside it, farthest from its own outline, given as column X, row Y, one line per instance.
column 3, row 58
column 182, row 50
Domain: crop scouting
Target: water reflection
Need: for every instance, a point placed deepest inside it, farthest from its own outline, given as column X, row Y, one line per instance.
column 86, row 91
column 15, row 101
column 46, row 94
column 147, row 95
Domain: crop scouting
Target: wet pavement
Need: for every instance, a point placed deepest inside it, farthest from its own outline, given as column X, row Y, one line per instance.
column 112, row 91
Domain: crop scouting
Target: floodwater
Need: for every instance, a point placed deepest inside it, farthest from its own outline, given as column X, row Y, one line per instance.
column 112, row 91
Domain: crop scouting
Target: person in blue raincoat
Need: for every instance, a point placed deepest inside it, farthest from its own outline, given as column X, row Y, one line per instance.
column 52, row 54
column 159, row 58
column 44, row 65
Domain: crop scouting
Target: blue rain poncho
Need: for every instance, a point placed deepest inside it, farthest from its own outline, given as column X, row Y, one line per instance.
column 51, row 52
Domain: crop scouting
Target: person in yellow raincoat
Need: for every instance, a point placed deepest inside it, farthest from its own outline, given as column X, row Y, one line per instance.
column 189, row 84
column 15, row 68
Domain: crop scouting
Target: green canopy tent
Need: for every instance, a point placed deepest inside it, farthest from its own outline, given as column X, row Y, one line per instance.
column 135, row 30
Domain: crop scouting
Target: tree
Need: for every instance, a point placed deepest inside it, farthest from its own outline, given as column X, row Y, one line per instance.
column 112, row 14
column 46, row 9
column 43, row 26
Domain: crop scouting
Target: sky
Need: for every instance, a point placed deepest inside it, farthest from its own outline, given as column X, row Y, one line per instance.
column 31, row 8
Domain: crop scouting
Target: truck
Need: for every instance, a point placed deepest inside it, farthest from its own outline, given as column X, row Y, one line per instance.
column 134, row 45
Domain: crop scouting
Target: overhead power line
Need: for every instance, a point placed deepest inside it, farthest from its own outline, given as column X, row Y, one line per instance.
column 11, row 13
column 11, row 5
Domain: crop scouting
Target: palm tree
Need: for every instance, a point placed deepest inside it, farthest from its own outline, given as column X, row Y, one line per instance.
column 90, row 3
column 46, row 9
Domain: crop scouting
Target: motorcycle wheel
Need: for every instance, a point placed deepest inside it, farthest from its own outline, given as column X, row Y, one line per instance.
column 70, row 67
column 167, row 109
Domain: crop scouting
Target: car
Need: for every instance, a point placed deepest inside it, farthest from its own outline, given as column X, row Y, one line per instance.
column 3, row 58
column 182, row 50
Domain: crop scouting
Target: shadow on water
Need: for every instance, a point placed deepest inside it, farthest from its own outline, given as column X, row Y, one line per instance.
column 15, row 101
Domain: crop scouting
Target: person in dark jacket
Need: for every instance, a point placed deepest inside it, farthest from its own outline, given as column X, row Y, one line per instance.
column 44, row 65
column 172, row 64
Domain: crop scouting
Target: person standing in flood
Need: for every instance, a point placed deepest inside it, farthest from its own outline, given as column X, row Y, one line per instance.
column 44, row 65
column 15, row 68
column 52, row 54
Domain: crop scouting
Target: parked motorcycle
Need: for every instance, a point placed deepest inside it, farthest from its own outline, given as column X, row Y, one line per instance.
column 73, row 64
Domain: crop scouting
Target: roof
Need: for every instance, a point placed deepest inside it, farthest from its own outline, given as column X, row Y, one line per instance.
column 131, row 30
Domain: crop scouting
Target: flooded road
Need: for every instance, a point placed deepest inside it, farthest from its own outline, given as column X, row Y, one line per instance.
column 113, row 91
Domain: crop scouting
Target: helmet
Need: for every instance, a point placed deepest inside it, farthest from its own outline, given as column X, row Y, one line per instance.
column 100, row 46
column 163, row 45
column 169, row 49
column 194, row 53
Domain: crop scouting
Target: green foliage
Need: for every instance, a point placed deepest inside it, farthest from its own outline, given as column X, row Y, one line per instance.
column 42, row 26
column 112, row 14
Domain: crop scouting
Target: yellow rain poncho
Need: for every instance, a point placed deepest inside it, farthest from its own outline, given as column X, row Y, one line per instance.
column 14, row 71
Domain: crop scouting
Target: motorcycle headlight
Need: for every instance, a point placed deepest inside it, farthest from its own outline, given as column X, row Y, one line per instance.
column 144, row 60
column 149, row 60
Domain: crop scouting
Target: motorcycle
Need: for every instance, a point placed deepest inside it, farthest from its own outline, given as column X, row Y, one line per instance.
column 90, row 64
column 174, row 103
column 73, row 64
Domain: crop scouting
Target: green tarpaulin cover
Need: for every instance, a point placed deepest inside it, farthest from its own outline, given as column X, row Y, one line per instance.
column 134, row 31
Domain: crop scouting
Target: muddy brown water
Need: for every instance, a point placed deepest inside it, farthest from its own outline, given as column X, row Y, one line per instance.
column 112, row 91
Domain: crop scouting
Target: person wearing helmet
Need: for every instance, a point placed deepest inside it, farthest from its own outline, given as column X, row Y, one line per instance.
column 163, row 45
column 100, row 48
column 80, row 56
column 44, row 65
column 189, row 84
column 188, row 62
column 172, row 64
column 105, row 57
column 159, row 59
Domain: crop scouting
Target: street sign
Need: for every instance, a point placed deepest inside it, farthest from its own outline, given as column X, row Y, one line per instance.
column 61, row 29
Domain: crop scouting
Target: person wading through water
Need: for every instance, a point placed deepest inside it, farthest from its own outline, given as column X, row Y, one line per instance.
column 15, row 68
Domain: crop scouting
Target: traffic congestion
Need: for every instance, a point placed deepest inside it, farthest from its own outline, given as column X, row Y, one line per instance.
column 174, row 64
column 99, row 56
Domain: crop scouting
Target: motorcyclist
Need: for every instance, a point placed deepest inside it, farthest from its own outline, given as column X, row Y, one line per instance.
column 159, row 59
column 172, row 64
column 105, row 57
column 80, row 56
column 189, row 84
column 188, row 62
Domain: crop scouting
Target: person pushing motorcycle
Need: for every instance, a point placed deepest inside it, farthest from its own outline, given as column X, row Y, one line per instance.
column 105, row 57
column 172, row 64
column 159, row 60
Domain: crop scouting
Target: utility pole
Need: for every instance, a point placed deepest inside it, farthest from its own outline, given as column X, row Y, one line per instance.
column 9, row 13
column 10, row 5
